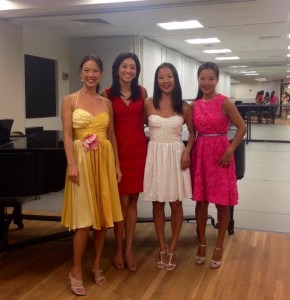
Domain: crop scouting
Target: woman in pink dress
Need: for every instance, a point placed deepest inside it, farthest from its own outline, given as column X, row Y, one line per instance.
column 127, row 98
column 213, row 173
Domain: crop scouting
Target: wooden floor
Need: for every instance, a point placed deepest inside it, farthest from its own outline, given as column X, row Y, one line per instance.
column 255, row 266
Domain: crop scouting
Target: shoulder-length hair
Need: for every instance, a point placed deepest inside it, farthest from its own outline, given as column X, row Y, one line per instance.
column 115, row 90
column 96, row 59
column 204, row 66
column 176, row 93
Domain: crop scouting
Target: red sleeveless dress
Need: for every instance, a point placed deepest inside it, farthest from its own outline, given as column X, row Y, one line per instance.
column 131, row 141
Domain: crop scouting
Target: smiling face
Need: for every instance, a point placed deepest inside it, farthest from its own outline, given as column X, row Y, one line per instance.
column 91, row 74
column 207, row 82
column 165, row 80
column 127, row 70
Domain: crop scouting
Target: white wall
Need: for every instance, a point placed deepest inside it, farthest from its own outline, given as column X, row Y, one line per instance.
column 47, row 45
column 12, row 100
column 154, row 54
column 106, row 48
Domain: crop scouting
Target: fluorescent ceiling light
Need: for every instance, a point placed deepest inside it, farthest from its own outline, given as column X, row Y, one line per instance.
column 289, row 36
column 238, row 67
column 7, row 4
column 180, row 25
column 251, row 74
column 227, row 58
column 288, row 47
column 203, row 41
column 218, row 51
column 288, row 55
column 244, row 72
column 261, row 79
column 112, row 1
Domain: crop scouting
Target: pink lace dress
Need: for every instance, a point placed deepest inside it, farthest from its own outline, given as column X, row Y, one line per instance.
column 210, row 181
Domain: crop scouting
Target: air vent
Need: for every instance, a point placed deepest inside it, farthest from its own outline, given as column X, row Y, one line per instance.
column 270, row 37
column 93, row 21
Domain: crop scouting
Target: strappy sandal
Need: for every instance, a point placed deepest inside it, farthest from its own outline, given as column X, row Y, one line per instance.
column 77, row 286
column 161, row 264
column 100, row 279
column 214, row 264
column 170, row 266
column 200, row 260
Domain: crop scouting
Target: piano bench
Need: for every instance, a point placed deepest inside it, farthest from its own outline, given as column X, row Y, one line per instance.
column 16, row 215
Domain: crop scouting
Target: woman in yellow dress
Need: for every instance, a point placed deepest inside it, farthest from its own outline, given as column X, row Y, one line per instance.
column 91, row 198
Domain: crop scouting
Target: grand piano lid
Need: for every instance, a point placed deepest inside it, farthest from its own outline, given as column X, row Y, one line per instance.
column 42, row 140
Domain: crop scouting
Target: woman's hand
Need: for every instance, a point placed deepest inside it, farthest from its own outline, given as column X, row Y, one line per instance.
column 226, row 159
column 73, row 174
column 119, row 174
column 185, row 160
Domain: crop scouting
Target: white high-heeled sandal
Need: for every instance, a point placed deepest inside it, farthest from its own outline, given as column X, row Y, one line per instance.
column 161, row 264
column 170, row 266
column 200, row 260
column 214, row 264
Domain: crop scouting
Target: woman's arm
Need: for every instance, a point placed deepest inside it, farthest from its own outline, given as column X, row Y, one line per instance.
column 112, row 139
column 187, row 114
column 66, row 116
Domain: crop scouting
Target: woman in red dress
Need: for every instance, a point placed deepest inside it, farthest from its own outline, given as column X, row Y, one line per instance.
column 127, row 98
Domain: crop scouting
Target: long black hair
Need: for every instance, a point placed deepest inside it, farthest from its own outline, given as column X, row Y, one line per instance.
column 206, row 65
column 97, row 60
column 115, row 90
column 176, row 93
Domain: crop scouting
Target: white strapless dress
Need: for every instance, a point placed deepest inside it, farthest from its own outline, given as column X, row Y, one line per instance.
column 164, row 180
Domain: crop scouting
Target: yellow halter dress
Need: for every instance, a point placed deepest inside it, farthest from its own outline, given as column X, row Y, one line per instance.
column 95, row 202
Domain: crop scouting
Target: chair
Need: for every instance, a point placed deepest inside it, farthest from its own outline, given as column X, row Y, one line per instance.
column 5, row 130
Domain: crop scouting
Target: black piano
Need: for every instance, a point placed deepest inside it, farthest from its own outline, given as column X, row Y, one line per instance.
column 248, row 110
column 35, row 165
column 29, row 166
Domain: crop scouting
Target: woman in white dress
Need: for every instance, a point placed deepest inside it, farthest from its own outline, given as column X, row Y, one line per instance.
column 167, row 176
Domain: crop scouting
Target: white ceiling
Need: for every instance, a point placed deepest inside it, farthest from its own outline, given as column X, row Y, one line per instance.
column 255, row 30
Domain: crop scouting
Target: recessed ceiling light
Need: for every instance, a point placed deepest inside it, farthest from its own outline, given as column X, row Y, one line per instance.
column 288, row 55
column 112, row 1
column 238, row 66
column 180, row 25
column 227, row 58
column 288, row 47
column 261, row 79
column 289, row 36
column 203, row 41
column 217, row 51
column 234, row 81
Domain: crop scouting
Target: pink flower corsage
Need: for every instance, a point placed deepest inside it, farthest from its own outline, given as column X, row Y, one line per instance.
column 90, row 142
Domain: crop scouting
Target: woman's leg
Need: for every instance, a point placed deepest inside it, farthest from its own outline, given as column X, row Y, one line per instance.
column 119, row 228
column 98, row 240
column 130, row 225
column 176, row 224
column 223, row 223
column 76, row 275
column 159, row 223
column 201, row 211
column 80, row 240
